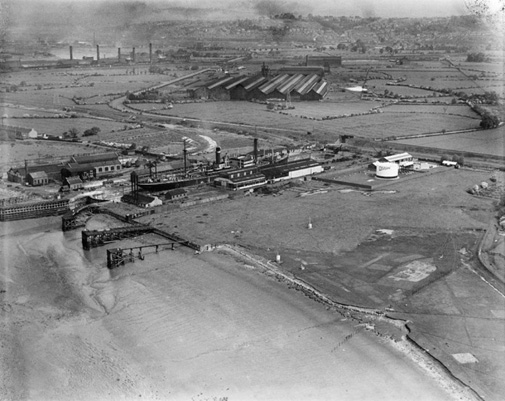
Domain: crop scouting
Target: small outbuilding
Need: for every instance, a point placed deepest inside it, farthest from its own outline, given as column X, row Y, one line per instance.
column 175, row 194
column 73, row 183
column 37, row 178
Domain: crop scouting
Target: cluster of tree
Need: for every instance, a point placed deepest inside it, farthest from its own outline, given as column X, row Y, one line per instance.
column 91, row 131
column 476, row 57
column 71, row 134
column 154, row 69
column 359, row 47
column 489, row 119
column 12, row 88
column 486, row 98
column 388, row 49
column 278, row 33
column 285, row 16
column 147, row 95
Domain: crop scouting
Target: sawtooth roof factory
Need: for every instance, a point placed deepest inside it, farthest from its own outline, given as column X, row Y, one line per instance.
column 293, row 83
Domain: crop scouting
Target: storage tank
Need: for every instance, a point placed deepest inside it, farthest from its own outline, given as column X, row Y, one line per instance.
column 386, row 170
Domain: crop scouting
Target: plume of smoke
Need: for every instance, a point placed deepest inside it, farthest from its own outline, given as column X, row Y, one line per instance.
column 367, row 9
column 274, row 7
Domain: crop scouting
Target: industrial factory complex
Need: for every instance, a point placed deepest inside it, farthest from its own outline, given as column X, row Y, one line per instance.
column 294, row 83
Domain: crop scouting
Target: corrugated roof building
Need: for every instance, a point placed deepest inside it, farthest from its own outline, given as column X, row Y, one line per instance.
column 242, row 89
column 94, row 158
column 317, row 92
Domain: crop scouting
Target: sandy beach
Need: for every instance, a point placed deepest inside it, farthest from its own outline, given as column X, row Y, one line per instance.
column 178, row 326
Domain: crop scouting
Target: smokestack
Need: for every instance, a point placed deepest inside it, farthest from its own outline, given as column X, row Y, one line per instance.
column 150, row 53
column 185, row 157
column 255, row 150
column 133, row 55
column 26, row 170
column 119, row 54
column 71, row 53
column 218, row 156
column 97, row 52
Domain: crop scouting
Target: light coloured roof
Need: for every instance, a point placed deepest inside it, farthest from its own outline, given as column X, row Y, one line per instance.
column 306, row 85
column 254, row 83
column 321, row 88
column 38, row 174
column 290, row 83
column 235, row 83
column 271, row 85
column 220, row 82
column 398, row 156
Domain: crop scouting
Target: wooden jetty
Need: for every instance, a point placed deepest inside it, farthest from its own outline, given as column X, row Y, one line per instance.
column 119, row 256
column 95, row 238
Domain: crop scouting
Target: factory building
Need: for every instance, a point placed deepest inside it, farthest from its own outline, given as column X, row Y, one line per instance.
column 176, row 194
column 73, row 183
column 299, row 83
column 92, row 166
column 326, row 61
column 20, row 174
column 242, row 91
column 290, row 170
column 404, row 160
column 37, row 178
column 305, row 70
column 240, row 179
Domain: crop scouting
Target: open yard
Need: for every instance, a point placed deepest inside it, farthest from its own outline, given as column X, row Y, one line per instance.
column 408, row 250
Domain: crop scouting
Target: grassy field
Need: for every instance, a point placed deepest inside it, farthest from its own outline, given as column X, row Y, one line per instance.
column 370, row 126
column 487, row 141
column 456, row 110
column 57, row 126
column 15, row 153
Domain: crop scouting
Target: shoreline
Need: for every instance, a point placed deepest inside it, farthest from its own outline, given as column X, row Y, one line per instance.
column 104, row 294
column 430, row 365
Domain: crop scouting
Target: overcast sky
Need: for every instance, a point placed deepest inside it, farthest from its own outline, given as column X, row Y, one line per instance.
column 362, row 8
column 379, row 8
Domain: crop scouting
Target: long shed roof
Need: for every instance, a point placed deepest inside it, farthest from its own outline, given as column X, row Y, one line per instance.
column 220, row 82
column 271, row 85
column 95, row 158
column 321, row 88
column 305, row 86
column 238, row 81
column 254, row 82
column 290, row 83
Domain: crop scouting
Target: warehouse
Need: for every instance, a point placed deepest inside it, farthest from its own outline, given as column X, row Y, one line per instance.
column 289, row 170
column 241, row 91
column 240, row 179
column 326, row 61
column 302, row 83
column 404, row 160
